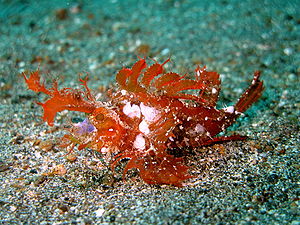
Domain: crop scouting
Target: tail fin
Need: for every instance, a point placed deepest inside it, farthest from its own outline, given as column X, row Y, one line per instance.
column 251, row 95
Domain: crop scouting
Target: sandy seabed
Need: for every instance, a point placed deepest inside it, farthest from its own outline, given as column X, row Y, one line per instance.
column 246, row 182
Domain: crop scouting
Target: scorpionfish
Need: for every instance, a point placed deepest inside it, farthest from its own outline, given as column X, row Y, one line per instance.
column 152, row 114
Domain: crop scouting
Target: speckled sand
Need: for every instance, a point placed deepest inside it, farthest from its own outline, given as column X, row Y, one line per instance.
column 247, row 182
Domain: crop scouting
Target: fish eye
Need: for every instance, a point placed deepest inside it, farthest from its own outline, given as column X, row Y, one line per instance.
column 100, row 117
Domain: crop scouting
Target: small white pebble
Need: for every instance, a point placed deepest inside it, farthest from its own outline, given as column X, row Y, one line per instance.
column 21, row 64
column 38, row 154
column 288, row 51
column 165, row 51
column 93, row 66
column 99, row 212
column 13, row 208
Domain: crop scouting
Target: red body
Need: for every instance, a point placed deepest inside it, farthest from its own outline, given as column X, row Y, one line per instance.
column 150, row 115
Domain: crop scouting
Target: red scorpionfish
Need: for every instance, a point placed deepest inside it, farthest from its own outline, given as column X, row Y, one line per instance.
column 150, row 115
